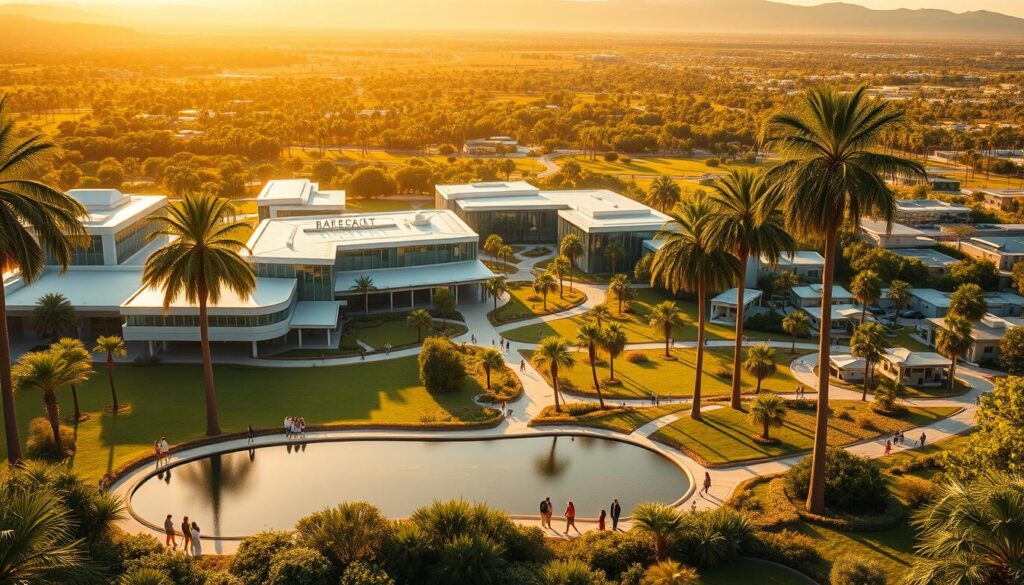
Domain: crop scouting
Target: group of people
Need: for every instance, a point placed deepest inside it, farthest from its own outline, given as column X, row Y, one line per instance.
column 505, row 344
column 898, row 438
column 800, row 392
column 191, row 543
column 547, row 511
column 162, row 451
column 294, row 425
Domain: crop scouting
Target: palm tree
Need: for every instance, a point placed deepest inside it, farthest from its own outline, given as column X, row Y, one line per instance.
column 544, row 284
column 496, row 287
column 556, row 353
column 833, row 173
column 33, row 217
column 492, row 245
column 615, row 251
column 746, row 220
column 571, row 248
column 785, row 281
column 420, row 319
column 796, row 325
column 600, row 314
column 37, row 544
column 111, row 345
column 73, row 351
column 899, row 294
column 968, row 301
column 663, row 194
column 972, row 533
column 866, row 287
column 620, row 286
column 364, row 285
column 868, row 343
column 48, row 372
column 560, row 267
column 767, row 410
column 669, row 572
column 507, row 253
column 54, row 316
column 590, row 336
column 201, row 259
column 661, row 522
column 665, row 317
column 614, row 342
column 691, row 261
column 760, row 363
column 952, row 340
column 490, row 359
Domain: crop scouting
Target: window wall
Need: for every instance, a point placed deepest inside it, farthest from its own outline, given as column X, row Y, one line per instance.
column 594, row 259
column 91, row 254
column 403, row 256
column 527, row 226
column 132, row 238
column 215, row 320
column 315, row 282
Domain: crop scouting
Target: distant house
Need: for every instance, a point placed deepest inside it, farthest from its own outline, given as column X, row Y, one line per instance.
column 1004, row 252
column 985, row 336
column 1001, row 199
column 724, row 306
column 847, row 368
column 492, row 145
column 921, row 212
column 914, row 368
column 897, row 236
column 945, row 184
column 807, row 265
column 802, row 297
column 844, row 318
column 937, row 262
column 935, row 303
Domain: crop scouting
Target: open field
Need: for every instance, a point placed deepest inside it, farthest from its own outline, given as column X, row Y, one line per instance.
column 621, row 420
column 524, row 303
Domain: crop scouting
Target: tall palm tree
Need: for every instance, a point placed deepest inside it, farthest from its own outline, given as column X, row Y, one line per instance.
column 952, row 340
column 972, row 533
column 620, row 286
column 420, row 319
column 54, row 316
column 33, row 217
column 559, row 268
column 659, row 521
column 868, row 343
column 555, row 353
column 572, row 248
column 73, row 351
column 364, row 285
column 663, row 194
column 968, row 301
column 37, row 543
column 111, row 346
column 201, row 259
column 600, row 314
column 490, row 359
column 899, row 294
column 544, row 284
column 589, row 336
column 496, row 287
column 614, row 342
column 670, row 572
column 832, row 173
column 691, row 261
column 767, row 410
column 492, row 245
column 746, row 220
column 760, row 363
column 615, row 251
column 866, row 287
column 665, row 317
column 796, row 325
column 48, row 372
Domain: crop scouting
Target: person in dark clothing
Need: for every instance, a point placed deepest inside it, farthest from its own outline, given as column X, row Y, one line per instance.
column 544, row 508
column 616, row 511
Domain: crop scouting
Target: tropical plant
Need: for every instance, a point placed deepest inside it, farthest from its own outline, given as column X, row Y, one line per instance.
column 300, row 565
column 888, row 395
column 37, row 543
column 972, row 533
column 507, row 253
column 899, row 295
column 555, row 353
column 866, row 287
column 490, row 359
column 570, row 572
column 444, row 304
column 111, row 345
column 760, row 363
column 200, row 260
column 54, row 316
column 952, row 340
column 622, row 288
column 785, row 281
column 665, row 317
column 73, row 351
column 968, row 301
column 669, row 572
column 796, row 325
column 767, row 410
column 600, row 314
column 833, row 173
column 642, row 268
column 663, row 194
column 440, row 365
column 48, row 372
column 690, row 260
column 348, row 532
column 615, row 251
column 851, row 570
column 572, row 248
column 419, row 319
column 746, row 220
column 493, row 244
column 496, row 287
column 364, row 285
column 659, row 521
column 544, row 284
column 868, row 343
column 470, row 559
column 589, row 336
column 614, row 342
column 560, row 267
column 33, row 217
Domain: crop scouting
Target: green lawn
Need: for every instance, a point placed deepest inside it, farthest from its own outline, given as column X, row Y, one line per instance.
column 377, row 205
column 168, row 400
column 622, row 420
column 500, row 267
column 398, row 334
column 724, row 436
column 653, row 166
column 635, row 322
column 742, row 571
column 903, row 339
column 525, row 303
column 674, row 378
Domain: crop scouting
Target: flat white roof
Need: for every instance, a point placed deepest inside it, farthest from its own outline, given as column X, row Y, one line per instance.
column 846, row 361
column 1001, row 245
column 487, row 189
column 929, row 206
column 298, row 192
column 1003, row 192
column 879, row 228
column 110, row 211
column 803, row 258
column 87, row 289
column 315, row 240
column 450, row 273
column 915, row 359
column 929, row 257
column 729, row 297
column 813, row 291
column 316, row 314
column 271, row 294
column 839, row 312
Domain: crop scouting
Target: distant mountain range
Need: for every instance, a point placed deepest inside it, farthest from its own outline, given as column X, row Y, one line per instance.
column 473, row 17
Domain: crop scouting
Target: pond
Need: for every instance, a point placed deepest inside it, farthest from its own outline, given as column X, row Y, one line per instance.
column 269, row 488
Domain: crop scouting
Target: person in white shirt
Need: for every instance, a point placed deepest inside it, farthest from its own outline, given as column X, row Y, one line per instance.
column 197, row 546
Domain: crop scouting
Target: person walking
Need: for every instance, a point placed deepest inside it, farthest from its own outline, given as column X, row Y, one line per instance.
column 888, row 446
column 522, row 365
column 186, row 536
column 600, row 521
column 544, row 507
column 165, row 450
column 197, row 543
column 570, row 517
column 249, row 435
column 616, row 511
column 707, row 483
column 550, row 512
column 169, row 540
column 922, row 439
column 156, row 451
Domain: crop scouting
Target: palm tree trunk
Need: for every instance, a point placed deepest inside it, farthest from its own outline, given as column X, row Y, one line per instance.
column 366, row 303
column 737, row 354
column 758, row 388
column 212, row 418
column 867, row 380
column 765, row 433
column 593, row 372
column 74, row 398
column 816, row 489
column 668, row 337
column 110, row 380
column 7, row 388
column 952, row 373
column 611, row 366
column 53, row 413
column 695, row 410
column 554, row 384
column 792, row 348
column 488, row 372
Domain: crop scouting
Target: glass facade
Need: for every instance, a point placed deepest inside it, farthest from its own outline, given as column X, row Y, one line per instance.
column 403, row 256
column 525, row 226
column 315, row 282
column 132, row 238
column 594, row 259
column 215, row 320
column 89, row 255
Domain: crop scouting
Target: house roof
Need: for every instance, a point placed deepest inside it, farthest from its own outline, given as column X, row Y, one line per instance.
column 451, row 273
column 846, row 361
column 915, row 359
column 729, row 297
column 813, row 291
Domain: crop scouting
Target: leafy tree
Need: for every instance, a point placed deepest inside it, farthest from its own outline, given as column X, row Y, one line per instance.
column 111, row 345
column 589, row 336
column 614, row 342
column 760, row 363
column 493, row 245
column 441, row 367
column 544, row 284
column 785, row 281
column 796, row 325
column 615, row 251
column 48, row 372
column 620, row 286
column 661, row 522
column 200, row 259
column 952, row 340
column 54, row 316
column 856, row 485
column 110, row 173
column 663, row 194
column 665, row 317
column 767, row 410
column 868, row 343
column 73, row 351
column 998, row 440
column 370, row 182
column 980, row 272
column 490, row 359
column 968, row 301
column 554, row 353
column 364, row 285
column 496, row 287
column 1011, row 351
column 572, row 248
column 1017, row 276
column 324, row 172
column 832, row 172
column 69, row 176
column 444, row 304
column 866, row 287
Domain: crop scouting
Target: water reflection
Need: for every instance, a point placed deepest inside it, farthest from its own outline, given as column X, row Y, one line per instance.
column 550, row 465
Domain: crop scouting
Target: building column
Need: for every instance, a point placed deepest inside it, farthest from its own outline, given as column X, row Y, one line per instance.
column 300, row 337
column 431, row 289
column 391, row 299
column 456, row 289
column 150, row 342
column 255, row 352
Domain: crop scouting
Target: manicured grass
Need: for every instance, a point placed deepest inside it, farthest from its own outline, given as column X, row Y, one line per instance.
column 903, row 339
column 673, row 378
column 724, row 436
column 168, row 400
column 398, row 334
column 634, row 322
column 536, row 252
column 743, row 571
column 500, row 267
column 621, row 420
column 379, row 205
column 525, row 303
column 577, row 275
column 654, row 166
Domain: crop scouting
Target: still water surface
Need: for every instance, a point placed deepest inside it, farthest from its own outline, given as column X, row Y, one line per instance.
column 269, row 488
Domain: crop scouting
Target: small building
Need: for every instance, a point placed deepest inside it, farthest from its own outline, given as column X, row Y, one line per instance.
column 802, row 297
column 724, row 306
column 937, row 262
column 914, row 368
column 847, row 368
column 986, row 335
column 492, row 145
column 944, row 184
column 806, row 264
column 935, row 303
column 297, row 197
column 898, row 236
column 921, row 212
column 1003, row 252
column 844, row 318
column 1000, row 199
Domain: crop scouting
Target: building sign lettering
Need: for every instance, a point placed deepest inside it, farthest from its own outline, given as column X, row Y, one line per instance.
column 346, row 223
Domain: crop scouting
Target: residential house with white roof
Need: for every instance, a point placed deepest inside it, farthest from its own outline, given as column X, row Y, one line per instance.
column 297, row 197
column 802, row 297
column 724, row 306
column 898, row 235
column 936, row 262
column 922, row 212
column 914, row 368
column 986, row 335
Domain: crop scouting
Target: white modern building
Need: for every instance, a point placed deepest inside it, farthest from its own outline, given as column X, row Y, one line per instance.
column 1003, row 252
column 936, row 262
column 802, row 297
column 1000, row 199
column 847, row 367
column 895, row 236
column 921, row 212
column 986, row 336
column 914, row 368
column 844, row 318
column 807, row 265
column 297, row 197
column 724, row 306
column 935, row 303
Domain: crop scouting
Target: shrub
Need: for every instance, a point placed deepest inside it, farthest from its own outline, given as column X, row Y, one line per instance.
column 767, row 322
column 124, row 548
column 360, row 573
column 637, row 357
column 852, row 571
column 571, row 572
column 144, row 577
column 713, row 162
column 844, row 414
column 916, row 491
column 252, row 561
column 146, row 360
column 40, row 445
column 349, row 532
column 469, row 559
column 625, row 159
column 709, row 539
column 300, row 566
column 181, row 570
column 794, row 550
column 580, row 408
column 611, row 156
column 852, row 484
column 634, row 575
column 519, row 574
column 441, row 367
column 612, row 552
